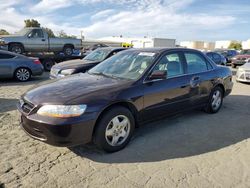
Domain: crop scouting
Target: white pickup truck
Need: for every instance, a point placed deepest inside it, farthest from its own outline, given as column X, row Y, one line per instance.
column 36, row 39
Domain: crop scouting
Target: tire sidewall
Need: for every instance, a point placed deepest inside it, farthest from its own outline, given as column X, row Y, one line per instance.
column 15, row 74
column 99, row 135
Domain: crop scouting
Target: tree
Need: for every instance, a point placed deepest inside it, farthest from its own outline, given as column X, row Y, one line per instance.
column 4, row 32
column 49, row 31
column 62, row 34
column 235, row 45
column 31, row 23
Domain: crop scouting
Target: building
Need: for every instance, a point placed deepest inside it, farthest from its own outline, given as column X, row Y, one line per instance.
column 223, row 44
column 209, row 46
column 199, row 45
column 246, row 44
column 142, row 42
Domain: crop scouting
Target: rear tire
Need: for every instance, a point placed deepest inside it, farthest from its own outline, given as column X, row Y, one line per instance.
column 47, row 64
column 16, row 48
column 114, row 130
column 22, row 74
column 215, row 101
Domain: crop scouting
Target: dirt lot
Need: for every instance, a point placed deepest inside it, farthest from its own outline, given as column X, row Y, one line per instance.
column 190, row 150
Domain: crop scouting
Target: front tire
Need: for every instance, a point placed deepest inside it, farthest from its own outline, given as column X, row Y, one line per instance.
column 215, row 101
column 22, row 74
column 114, row 130
column 16, row 48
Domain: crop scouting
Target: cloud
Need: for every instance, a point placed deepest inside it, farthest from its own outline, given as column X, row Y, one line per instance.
column 158, row 18
column 46, row 6
column 102, row 14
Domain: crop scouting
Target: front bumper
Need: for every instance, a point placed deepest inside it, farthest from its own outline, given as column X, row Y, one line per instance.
column 58, row 131
column 238, row 62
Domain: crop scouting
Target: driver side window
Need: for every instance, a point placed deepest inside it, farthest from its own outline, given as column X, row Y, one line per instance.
column 170, row 63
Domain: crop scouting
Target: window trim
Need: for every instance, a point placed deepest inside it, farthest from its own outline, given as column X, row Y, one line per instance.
column 200, row 55
column 147, row 74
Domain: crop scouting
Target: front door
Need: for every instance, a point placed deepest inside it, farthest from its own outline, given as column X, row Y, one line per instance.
column 36, row 41
column 170, row 95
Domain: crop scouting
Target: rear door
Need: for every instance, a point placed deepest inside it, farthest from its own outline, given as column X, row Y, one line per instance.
column 170, row 95
column 6, row 64
column 200, row 75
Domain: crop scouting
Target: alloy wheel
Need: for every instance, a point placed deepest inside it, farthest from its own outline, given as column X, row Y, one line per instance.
column 117, row 130
column 23, row 74
column 216, row 100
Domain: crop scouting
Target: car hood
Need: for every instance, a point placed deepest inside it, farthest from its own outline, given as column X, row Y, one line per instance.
column 71, row 64
column 246, row 66
column 76, row 89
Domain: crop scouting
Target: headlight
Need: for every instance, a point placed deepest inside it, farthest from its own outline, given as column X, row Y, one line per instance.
column 67, row 71
column 234, row 58
column 62, row 111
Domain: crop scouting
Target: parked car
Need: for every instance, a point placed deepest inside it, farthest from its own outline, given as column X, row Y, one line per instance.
column 17, row 66
column 241, row 59
column 228, row 54
column 134, row 86
column 217, row 58
column 243, row 73
column 90, row 49
column 82, row 65
column 36, row 39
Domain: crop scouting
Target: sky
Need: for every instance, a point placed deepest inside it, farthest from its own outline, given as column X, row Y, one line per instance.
column 207, row 20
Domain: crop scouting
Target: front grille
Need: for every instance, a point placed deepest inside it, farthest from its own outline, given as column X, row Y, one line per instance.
column 241, row 58
column 26, row 107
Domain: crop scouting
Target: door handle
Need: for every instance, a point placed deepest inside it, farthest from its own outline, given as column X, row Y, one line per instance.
column 43, row 39
column 195, row 78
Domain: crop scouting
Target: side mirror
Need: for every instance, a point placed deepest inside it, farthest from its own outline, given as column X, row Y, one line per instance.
column 158, row 75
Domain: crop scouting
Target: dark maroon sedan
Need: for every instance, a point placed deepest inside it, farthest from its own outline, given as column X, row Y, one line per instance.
column 134, row 86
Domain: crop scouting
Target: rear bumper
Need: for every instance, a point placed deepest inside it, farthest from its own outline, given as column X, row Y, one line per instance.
column 37, row 72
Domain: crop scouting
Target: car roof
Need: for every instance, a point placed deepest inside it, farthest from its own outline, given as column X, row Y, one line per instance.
column 160, row 50
column 112, row 48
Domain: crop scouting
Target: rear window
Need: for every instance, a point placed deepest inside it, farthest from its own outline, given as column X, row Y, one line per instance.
column 195, row 63
column 6, row 56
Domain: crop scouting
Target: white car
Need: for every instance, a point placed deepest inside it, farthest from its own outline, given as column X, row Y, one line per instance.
column 243, row 73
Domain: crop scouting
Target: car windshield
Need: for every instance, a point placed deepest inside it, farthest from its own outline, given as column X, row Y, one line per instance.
column 97, row 55
column 245, row 52
column 125, row 65
column 23, row 32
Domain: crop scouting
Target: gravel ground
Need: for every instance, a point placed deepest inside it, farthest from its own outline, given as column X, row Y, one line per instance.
column 190, row 150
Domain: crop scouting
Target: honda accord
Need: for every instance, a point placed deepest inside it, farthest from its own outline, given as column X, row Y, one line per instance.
column 135, row 86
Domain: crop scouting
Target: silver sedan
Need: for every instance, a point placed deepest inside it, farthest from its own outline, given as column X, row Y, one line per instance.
column 243, row 73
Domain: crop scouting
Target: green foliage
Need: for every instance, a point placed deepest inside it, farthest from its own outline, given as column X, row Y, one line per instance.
column 49, row 31
column 62, row 34
column 235, row 45
column 4, row 32
column 31, row 23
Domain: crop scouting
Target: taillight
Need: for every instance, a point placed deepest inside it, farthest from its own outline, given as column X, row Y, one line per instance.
column 36, row 61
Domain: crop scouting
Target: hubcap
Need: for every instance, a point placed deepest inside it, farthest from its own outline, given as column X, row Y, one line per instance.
column 23, row 74
column 68, row 51
column 16, row 49
column 216, row 100
column 117, row 130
